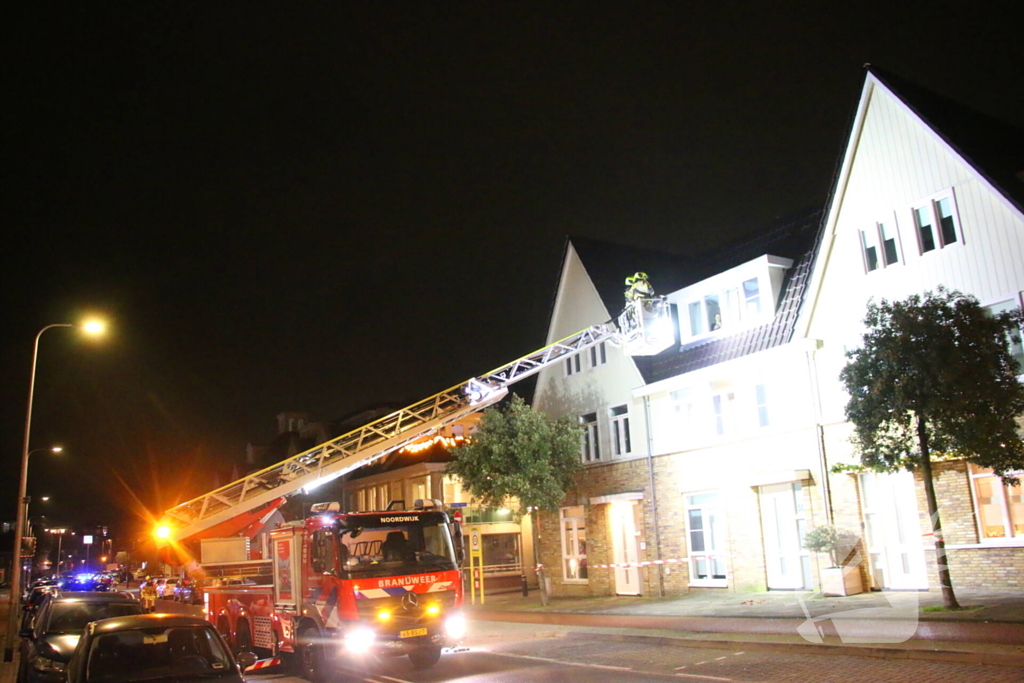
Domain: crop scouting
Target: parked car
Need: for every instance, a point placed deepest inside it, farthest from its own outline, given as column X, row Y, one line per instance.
column 189, row 591
column 48, row 644
column 167, row 591
column 37, row 596
column 155, row 646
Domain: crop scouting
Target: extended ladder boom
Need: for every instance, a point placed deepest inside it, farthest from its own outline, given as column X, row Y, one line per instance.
column 362, row 446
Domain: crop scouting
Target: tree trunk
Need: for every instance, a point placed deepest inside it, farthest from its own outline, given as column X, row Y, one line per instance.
column 948, row 597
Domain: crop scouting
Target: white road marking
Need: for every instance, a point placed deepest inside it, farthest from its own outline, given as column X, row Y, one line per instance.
column 718, row 659
column 560, row 661
column 710, row 678
column 397, row 680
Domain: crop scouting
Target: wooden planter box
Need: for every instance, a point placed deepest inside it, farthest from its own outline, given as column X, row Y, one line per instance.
column 841, row 581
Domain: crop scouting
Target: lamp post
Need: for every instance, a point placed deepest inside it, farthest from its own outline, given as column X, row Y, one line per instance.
column 60, row 541
column 13, row 612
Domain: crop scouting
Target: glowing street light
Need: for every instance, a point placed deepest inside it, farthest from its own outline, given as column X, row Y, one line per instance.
column 91, row 327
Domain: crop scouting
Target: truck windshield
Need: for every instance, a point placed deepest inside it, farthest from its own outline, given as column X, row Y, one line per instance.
column 394, row 549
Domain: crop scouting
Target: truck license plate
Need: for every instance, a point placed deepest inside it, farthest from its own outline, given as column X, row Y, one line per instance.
column 412, row 632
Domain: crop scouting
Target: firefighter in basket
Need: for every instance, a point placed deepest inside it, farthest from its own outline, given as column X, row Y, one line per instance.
column 638, row 287
column 148, row 595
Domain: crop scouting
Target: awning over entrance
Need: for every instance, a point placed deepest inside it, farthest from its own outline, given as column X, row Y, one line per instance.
column 616, row 497
column 779, row 477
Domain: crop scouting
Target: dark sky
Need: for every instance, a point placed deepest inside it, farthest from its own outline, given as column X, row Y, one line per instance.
column 320, row 206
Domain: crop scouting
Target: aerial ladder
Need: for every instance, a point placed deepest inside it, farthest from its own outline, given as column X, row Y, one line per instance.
column 644, row 328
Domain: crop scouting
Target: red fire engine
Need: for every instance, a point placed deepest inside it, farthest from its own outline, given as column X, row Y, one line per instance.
column 384, row 583
column 378, row 583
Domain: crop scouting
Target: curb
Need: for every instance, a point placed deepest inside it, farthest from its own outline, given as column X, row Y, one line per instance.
column 948, row 656
column 998, row 633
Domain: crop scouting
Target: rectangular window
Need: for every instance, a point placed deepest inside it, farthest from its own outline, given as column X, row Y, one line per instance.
column 999, row 508
column 889, row 250
column 574, row 543
column 713, row 309
column 620, row 430
column 696, row 319
column 598, row 355
column 752, row 296
column 947, row 224
column 591, row 447
column 732, row 306
column 722, row 405
column 572, row 365
column 706, row 539
column 761, row 396
column 1016, row 347
column 870, row 251
column 925, row 231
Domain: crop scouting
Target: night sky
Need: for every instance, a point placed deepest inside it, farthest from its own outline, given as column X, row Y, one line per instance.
column 320, row 206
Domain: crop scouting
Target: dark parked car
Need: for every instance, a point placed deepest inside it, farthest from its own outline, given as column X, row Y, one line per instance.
column 48, row 644
column 155, row 646
column 36, row 597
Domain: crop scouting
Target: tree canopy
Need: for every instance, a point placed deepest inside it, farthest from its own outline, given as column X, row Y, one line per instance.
column 942, row 361
column 518, row 452
column 935, row 373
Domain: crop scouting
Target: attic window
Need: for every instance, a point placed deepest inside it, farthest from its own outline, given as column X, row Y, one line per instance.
column 936, row 223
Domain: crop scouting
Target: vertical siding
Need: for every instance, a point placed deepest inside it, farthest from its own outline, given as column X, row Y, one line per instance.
column 578, row 306
column 896, row 164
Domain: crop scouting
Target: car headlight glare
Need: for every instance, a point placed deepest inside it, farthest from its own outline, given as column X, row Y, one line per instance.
column 359, row 640
column 455, row 626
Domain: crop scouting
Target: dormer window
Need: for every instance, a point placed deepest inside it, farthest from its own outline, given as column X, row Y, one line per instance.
column 752, row 295
column 733, row 299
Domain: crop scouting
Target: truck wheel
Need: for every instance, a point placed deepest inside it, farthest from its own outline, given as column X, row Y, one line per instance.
column 311, row 664
column 425, row 657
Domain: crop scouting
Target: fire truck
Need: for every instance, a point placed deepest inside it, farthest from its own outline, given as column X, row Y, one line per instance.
column 383, row 583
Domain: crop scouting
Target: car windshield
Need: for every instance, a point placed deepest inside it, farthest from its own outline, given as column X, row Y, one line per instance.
column 155, row 653
column 71, row 617
column 395, row 549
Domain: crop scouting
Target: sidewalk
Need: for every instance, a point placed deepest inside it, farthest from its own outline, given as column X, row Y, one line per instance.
column 890, row 625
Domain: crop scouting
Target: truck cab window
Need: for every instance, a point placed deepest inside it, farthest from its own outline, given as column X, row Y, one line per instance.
column 322, row 552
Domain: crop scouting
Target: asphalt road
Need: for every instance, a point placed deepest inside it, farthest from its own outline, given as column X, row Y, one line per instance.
column 527, row 658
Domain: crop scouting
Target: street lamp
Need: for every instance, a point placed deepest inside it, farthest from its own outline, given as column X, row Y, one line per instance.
column 91, row 327
column 60, row 540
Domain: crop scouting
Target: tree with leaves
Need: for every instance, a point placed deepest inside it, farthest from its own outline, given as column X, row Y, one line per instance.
column 518, row 452
column 935, row 377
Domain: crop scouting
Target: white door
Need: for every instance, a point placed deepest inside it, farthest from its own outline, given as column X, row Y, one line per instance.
column 625, row 551
column 895, row 551
column 783, row 523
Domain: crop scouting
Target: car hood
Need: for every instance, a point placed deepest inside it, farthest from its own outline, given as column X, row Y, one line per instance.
column 63, row 644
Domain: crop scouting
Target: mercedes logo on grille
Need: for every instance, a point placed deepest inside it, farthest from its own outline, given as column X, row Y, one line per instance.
column 410, row 601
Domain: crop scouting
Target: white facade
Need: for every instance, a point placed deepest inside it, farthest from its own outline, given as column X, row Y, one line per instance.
column 596, row 385
column 895, row 165
column 909, row 214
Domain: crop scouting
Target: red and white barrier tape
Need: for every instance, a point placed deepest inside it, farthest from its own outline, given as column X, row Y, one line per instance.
column 627, row 565
column 265, row 663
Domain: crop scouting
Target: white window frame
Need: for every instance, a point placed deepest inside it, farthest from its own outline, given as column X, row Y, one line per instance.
column 598, row 355
column 618, row 430
column 714, row 554
column 1014, row 302
column 869, row 249
column 724, row 414
column 733, row 308
column 897, row 244
column 764, row 417
column 1013, row 537
column 573, row 529
column 931, row 204
column 590, row 441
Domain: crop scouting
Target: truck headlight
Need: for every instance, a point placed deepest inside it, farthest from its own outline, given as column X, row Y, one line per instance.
column 359, row 640
column 455, row 626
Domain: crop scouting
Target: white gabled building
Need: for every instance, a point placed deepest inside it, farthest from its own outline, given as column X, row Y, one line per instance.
column 928, row 193
column 702, row 463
